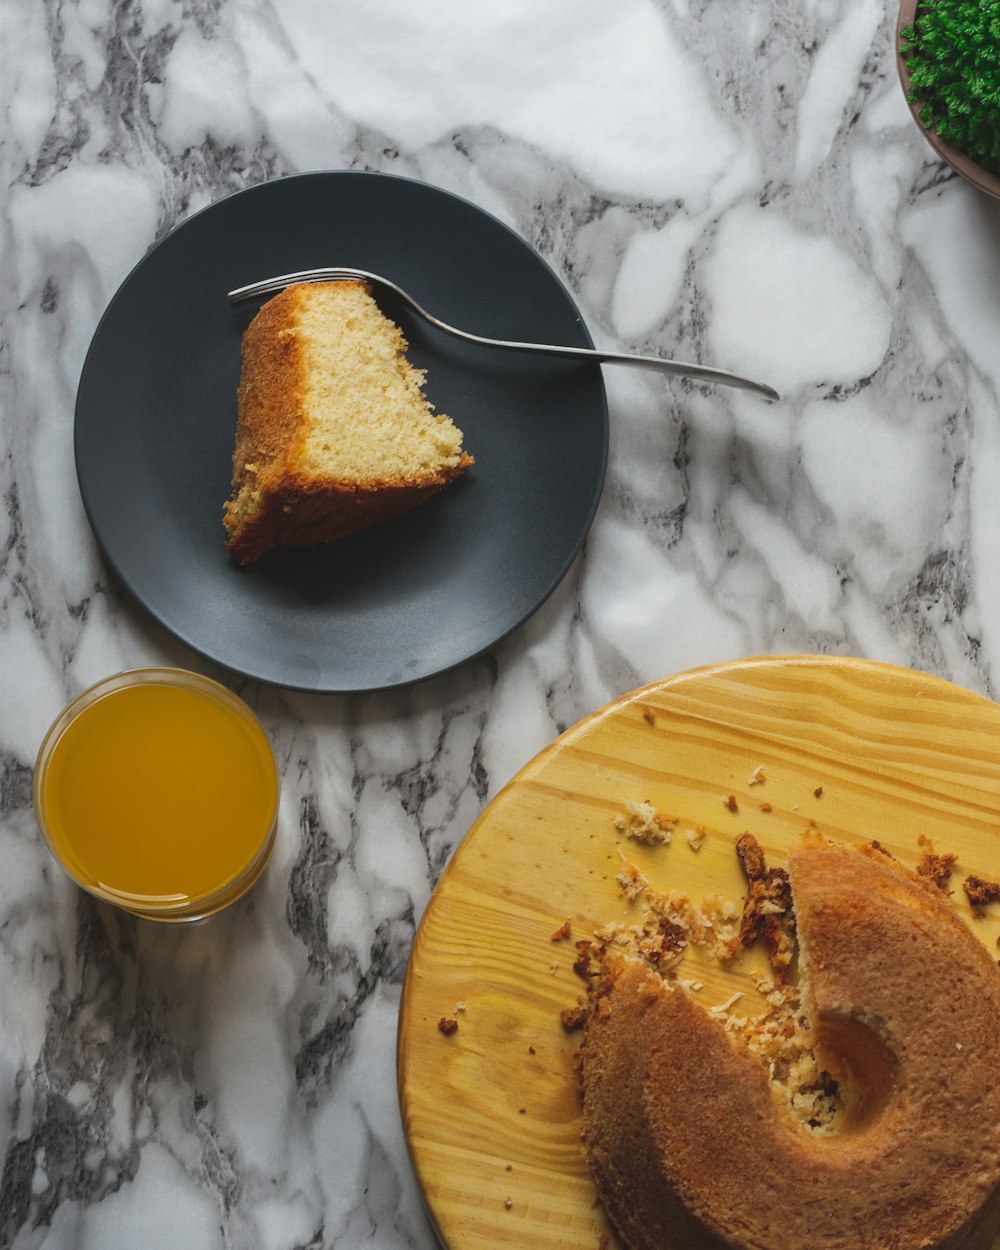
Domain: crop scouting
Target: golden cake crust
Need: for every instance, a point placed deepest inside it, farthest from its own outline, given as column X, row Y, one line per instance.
column 689, row 1148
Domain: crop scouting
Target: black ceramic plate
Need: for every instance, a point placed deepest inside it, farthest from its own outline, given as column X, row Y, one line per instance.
column 156, row 413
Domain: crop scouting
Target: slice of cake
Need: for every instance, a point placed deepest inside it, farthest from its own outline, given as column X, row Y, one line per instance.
column 334, row 433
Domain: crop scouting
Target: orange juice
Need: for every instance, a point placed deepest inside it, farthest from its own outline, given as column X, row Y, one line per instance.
column 157, row 791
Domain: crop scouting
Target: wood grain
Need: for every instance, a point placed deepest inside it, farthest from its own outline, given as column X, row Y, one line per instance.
column 859, row 749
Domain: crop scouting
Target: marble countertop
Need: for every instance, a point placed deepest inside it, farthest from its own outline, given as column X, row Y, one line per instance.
column 741, row 185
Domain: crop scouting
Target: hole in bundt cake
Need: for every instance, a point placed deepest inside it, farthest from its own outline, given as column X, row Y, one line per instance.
column 862, row 1066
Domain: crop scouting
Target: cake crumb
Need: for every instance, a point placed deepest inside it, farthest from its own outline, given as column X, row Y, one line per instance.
column 459, row 1008
column 767, row 909
column 448, row 1026
column 765, row 807
column 818, row 792
column 644, row 823
column 564, row 930
column 729, row 801
column 581, row 965
column 631, row 880
column 936, row 868
column 573, row 1018
column 695, row 837
column 721, row 1008
column 757, row 777
column 507, row 1204
column 649, row 716
column 979, row 893
column 751, row 856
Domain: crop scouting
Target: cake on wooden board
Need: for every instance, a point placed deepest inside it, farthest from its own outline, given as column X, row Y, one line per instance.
column 334, row 433
column 691, row 1150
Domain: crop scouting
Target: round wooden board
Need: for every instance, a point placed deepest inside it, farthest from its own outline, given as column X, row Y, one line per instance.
column 864, row 750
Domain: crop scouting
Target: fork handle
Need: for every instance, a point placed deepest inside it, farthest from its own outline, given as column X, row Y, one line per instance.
column 679, row 368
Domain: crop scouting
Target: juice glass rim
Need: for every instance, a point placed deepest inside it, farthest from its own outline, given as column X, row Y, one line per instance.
column 232, row 887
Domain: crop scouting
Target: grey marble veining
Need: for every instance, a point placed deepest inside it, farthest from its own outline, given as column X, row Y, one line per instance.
column 741, row 185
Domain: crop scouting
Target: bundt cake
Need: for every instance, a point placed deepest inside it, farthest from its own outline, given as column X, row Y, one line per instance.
column 690, row 1148
column 334, row 433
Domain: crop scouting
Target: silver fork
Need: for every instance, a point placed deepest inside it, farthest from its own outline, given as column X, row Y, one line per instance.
column 340, row 274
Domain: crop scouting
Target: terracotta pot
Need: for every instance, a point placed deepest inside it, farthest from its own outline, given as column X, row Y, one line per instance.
column 960, row 163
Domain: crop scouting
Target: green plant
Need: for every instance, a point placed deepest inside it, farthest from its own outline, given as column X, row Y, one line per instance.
column 952, row 56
